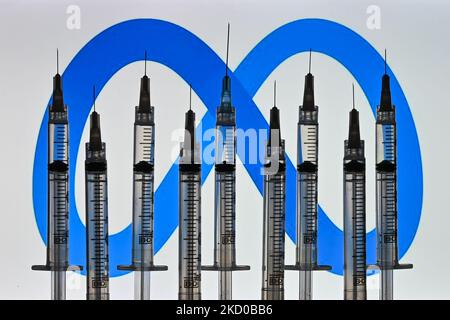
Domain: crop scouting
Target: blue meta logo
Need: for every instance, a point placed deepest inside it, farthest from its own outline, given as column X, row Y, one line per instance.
column 194, row 61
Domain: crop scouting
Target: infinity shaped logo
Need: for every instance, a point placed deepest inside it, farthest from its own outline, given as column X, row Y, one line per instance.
column 122, row 44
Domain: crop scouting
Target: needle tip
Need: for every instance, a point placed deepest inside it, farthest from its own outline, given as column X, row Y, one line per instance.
column 274, row 93
column 353, row 92
column 93, row 95
column 310, row 54
column 190, row 97
column 145, row 63
column 228, row 49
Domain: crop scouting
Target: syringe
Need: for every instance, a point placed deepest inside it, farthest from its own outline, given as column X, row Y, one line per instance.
column 143, row 193
column 354, row 212
column 386, row 191
column 307, row 164
column 274, row 211
column 189, row 232
column 96, row 183
column 58, row 193
column 225, row 191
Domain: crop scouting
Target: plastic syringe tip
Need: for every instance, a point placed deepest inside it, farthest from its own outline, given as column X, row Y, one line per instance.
column 144, row 96
column 354, row 138
column 308, row 94
column 189, row 123
column 274, row 118
column 385, row 100
column 57, row 96
column 275, row 125
column 226, row 92
column 95, row 137
column 189, row 133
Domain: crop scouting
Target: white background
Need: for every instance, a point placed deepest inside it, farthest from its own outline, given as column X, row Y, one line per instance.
column 415, row 33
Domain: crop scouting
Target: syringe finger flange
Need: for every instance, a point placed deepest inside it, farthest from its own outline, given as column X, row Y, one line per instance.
column 298, row 267
column 219, row 268
column 56, row 268
column 399, row 266
column 142, row 268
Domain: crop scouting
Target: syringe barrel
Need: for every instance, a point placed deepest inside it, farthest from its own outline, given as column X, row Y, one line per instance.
column 307, row 161
column 387, row 253
column 225, row 145
column 307, row 136
column 273, row 235
column 354, row 224
column 307, row 220
column 97, row 225
column 225, row 217
column 58, row 220
column 58, row 137
column 58, row 191
column 225, row 191
column 143, row 190
column 386, row 190
column 386, row 137
column 189, row 233
column 144, row 137
column 142, row 254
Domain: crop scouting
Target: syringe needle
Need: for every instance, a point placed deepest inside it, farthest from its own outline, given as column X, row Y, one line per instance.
column 190, row 97
column 225, row 190
column 228, row 48
column 142, row 257
column 58, row 188
column 93, row 96
column 275, row 93
column 386, row 190
column 145, row 63
column 307, row 181
column 310, row 54
column 353, row 95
